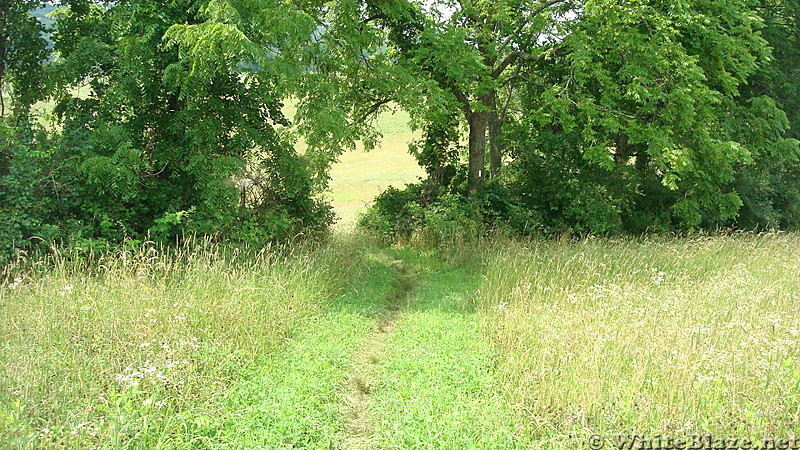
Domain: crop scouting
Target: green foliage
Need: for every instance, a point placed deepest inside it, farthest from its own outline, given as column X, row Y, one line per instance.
column 443, row 219
column 23, row 207
column 22, row 50
column 171, row 131
column 598, row 117
column 396, row 213
column 778, row 78
column 650, row 90
column 769, row 187
column 452, row 220
column 627, row 117
column 161, row 138
column 25, row 152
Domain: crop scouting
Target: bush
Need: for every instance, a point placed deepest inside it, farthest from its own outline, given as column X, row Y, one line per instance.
column 396, row 213
column 151, row 150
column 24, row 209
column 444, row 218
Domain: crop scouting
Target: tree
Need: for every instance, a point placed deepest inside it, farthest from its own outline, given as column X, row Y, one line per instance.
column 614, row 115
column 778, row 78
column 162, row 142
column 433, row 59
column 652, row 94
column 643, row 98
column 473, row 57
column 22, row 159
column 22, row 51
column 597, row 115
column 770, row 187
column 466, row 56
column 650, row 90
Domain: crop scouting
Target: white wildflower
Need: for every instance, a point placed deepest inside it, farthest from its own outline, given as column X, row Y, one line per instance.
column 502, row 306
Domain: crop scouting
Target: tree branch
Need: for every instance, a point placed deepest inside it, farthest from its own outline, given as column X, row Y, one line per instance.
column 374, row 109
column 549, row 4
column 511, row 57
column 462, row 98
column 507, row 61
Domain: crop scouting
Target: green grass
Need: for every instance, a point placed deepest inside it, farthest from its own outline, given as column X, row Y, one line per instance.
column 503, row 344
column 138, row 347
column 360, row 176
column 294, row 398
column 438, row 383
column 671, row 336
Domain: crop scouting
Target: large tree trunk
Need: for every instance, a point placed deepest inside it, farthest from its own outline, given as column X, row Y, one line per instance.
column 478, row 122
column 495, row 129
column 622, row 154
column 495, row 151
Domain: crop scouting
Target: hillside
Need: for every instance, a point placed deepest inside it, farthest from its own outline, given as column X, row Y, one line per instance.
column 43, row 14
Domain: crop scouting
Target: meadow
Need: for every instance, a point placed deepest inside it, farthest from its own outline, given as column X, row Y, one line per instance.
column 349, row 343
column 359, row 176
column 681, row 337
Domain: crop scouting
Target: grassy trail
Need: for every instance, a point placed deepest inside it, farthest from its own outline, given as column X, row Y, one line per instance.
column 352, row 345
column 397, row 362
column 365, row 375
column 438, row 384
column 294, row 398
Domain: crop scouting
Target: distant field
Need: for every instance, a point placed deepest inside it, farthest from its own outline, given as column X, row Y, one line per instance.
column 360, row 176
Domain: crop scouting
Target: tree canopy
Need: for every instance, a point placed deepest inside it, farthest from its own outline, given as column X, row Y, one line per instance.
column 591, row 115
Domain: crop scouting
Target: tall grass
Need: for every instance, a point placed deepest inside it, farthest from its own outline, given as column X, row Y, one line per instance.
column 660, row 335
column 151, row 347
column 140, row 346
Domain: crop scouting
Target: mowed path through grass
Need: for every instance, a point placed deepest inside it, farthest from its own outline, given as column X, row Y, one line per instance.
column 502, row 344
column 397, row 362
column 438, row 387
